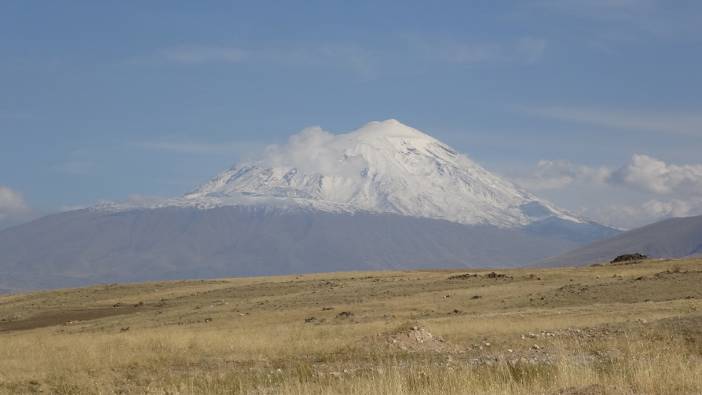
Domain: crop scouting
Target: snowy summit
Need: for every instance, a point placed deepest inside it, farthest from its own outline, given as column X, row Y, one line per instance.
column 383, row 167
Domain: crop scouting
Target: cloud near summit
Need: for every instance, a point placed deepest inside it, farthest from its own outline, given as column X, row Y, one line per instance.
column 13, row 207
column 315, row 150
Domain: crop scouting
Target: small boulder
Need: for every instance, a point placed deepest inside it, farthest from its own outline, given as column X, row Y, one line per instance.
column 344, row 314
column 629, row 258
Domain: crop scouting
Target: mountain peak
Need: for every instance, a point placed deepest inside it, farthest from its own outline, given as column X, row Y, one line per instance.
column 391, row 128
column 384, row 166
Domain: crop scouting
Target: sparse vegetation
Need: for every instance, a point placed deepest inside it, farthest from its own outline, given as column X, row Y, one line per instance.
column 594, row 330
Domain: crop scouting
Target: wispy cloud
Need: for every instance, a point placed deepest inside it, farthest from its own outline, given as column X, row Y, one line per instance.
column 523, row 50
column 619, row 22
column 600, row 8
column 11, row 202
column 14, row 208
column 200, row 54
column 201, row 148
column 74, row 167
column 687, row 123
column 558, row 174
column 629, row 216
column 531, row 48
column 342, row 55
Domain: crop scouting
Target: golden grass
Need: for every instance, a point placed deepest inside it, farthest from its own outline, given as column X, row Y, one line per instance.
column 574, row 331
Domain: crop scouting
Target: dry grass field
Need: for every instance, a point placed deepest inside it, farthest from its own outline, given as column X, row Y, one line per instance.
column 624, row 329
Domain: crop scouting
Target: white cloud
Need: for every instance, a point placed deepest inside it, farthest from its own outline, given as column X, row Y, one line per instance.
column 642, row 172
column 633, row 215
column 315, row 150
column 11, row 201
column 656, row 176
column 12, row 204
column 641, row 191
column 689, row 123
column 673, row 208
column 558, row 174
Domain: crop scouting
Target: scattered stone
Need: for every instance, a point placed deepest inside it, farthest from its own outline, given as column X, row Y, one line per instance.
column 125, row 329
column 139, row 304
column 344, row 314
column 207, row 320
column 464, row 276
column 593, row 389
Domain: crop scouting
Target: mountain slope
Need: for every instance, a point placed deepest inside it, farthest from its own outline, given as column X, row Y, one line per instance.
column 383, row 167
column 383, row 196
column 671, row 238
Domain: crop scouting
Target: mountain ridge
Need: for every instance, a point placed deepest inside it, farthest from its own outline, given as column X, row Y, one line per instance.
column 382, row 167
column 385, row 196
column 669, row 238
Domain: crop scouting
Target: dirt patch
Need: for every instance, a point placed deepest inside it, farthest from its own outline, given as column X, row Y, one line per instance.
column 466, row 276
column 63, row 317
column 594, row 389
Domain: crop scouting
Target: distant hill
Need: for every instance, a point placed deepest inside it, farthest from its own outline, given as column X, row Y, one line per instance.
column 671, row 238
column 91, row 246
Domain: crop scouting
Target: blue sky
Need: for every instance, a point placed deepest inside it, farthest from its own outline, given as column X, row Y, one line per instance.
column 594, row 105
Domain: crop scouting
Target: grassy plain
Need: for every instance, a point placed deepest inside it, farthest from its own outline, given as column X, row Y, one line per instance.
column 625, row 329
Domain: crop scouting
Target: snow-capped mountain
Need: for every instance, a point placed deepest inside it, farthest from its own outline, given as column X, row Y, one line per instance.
column 383, row 167
column 383, row 196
